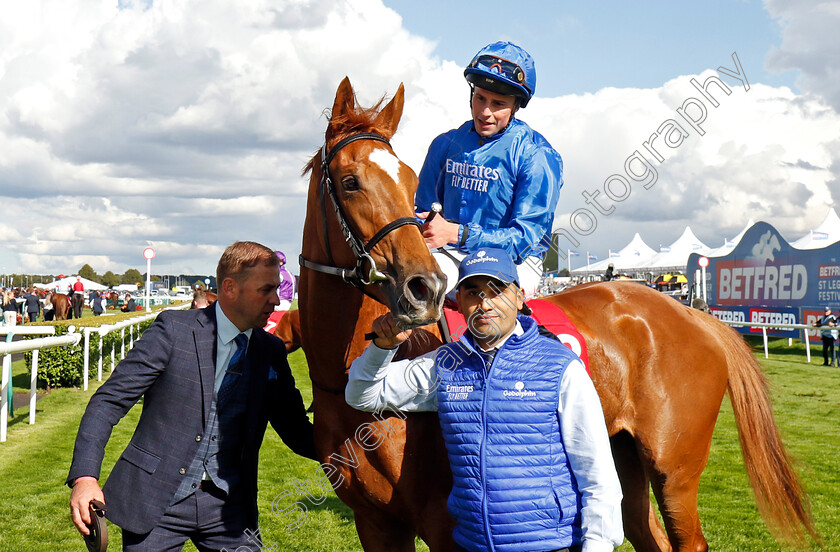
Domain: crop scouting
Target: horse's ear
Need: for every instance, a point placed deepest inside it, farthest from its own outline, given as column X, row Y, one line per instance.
column 389, row 118
column 345, row 99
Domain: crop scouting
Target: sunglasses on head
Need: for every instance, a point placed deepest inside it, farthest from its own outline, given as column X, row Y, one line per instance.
column 501, row 66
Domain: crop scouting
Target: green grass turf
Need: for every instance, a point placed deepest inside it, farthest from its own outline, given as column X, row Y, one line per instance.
column 34, row 461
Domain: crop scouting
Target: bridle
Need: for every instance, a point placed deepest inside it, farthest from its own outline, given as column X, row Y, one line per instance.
column 364, row 272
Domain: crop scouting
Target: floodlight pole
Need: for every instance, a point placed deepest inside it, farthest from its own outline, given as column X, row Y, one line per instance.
column 149, row 254
column 148, row 285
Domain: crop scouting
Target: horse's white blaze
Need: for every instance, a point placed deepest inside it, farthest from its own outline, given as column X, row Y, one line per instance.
column 388, row 162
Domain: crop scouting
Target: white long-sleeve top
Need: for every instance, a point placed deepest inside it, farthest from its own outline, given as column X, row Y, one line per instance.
column 376, row 382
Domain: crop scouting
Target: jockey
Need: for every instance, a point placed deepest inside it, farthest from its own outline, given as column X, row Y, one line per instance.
column 286, row 291
column 497, row 180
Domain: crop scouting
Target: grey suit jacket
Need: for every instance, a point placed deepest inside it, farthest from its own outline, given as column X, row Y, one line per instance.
column 172, row 367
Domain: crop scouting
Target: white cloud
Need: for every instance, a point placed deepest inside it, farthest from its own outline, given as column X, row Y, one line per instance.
column 810, row 44
column 185, row 124
column 193, row 118
column 765, row 154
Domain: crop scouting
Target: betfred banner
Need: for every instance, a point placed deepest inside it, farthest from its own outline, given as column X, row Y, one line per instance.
column 746, row 315
column 765, row 272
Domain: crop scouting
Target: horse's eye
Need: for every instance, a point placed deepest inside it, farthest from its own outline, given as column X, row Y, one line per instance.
column 350, row 184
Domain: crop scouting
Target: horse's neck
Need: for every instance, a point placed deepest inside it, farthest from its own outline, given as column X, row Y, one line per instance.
column 335, row 316
column 330, row 308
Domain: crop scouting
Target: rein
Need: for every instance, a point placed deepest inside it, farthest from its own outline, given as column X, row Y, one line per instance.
column 364, row 272
column 331, row 390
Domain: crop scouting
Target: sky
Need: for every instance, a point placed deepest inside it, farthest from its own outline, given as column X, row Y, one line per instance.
column 184, row 125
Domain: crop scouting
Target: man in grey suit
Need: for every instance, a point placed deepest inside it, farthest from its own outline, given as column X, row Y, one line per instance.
column 211, row 379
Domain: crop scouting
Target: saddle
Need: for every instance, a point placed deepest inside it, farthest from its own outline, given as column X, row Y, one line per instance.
column 549, row 317
column 273, row 320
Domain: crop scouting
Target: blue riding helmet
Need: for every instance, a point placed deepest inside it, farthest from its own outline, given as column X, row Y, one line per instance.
column 504, row 68
column 281, row 256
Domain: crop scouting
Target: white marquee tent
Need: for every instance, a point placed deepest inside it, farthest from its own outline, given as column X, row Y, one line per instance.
column 637, row 256
column 630, row 256
column 823, row 235
column 675, row 256
column 65, row 284
column 729, row 245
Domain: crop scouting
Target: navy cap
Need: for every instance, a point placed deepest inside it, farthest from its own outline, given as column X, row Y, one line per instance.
column 489, row 261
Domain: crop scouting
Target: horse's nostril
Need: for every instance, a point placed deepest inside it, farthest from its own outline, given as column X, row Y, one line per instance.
column 418, row 289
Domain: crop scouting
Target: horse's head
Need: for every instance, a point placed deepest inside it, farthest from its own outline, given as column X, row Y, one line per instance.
column 361, row 208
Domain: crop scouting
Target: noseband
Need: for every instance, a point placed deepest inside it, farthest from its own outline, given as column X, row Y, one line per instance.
column 364, row 272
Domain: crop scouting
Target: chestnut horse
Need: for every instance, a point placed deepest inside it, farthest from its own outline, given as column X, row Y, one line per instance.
column 399, row 489
column 661, row 369
column 62, row 306
column 288, row 329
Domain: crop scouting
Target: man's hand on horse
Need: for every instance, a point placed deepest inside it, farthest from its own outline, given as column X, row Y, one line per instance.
column 438, row 231
column 85, row 489
column 388, row 334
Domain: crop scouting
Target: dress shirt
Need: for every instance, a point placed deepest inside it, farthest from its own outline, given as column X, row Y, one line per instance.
column 226, row 332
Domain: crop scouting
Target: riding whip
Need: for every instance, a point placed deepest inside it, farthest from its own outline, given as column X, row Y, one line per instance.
column 97, row 540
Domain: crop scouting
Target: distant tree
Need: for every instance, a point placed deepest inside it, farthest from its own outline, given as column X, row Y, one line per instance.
column 132, row 276
column 563, row 272
column 87, row 272
column 110, row 279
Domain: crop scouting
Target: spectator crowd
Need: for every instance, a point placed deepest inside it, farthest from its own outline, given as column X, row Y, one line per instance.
column 20, row 305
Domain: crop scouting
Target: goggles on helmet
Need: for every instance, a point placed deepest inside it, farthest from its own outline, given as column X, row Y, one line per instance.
column 502, row 67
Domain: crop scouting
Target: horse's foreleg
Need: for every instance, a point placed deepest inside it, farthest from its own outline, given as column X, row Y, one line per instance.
column 436, row 526
column 379, row 533
column 641, row 526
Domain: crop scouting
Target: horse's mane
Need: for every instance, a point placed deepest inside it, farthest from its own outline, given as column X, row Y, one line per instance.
column 359, row 119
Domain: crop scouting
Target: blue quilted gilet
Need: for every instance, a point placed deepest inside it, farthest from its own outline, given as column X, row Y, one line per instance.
column 512, row 488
